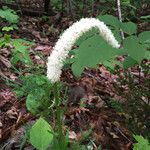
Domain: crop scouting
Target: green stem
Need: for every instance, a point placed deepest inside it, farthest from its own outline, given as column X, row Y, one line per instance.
column 58, row 114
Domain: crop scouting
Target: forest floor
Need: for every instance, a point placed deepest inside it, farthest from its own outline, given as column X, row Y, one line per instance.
column 109, row 128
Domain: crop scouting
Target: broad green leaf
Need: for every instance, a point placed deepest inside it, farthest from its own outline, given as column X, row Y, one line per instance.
column 121, row 51
column 72, row 52
column 9, row 15
column 147, row 55
column 129, row 28
column 134, row 49
column 129, row 62
column 117, row 35
column 110, row 20
column 20, row 51
column 41, row 134
column 91, row 52
column 69, row 61
column 7, row 29
column 77, row 69
column 109, row 65
column 86, row 35
column 94, row 50
column 142, row 144
column 144, row 37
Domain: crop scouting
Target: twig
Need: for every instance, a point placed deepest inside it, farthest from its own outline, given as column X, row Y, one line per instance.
column 123, row 134
column 120, row 17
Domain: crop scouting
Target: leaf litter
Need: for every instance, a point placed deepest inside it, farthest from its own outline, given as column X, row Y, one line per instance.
column 88, row 114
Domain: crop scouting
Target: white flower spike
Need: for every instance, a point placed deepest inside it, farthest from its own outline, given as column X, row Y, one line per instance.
column 67, row 40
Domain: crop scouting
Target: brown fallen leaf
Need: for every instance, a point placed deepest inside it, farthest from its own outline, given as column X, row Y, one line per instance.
column 72, row 135
column 12, row 113
column 5, row 61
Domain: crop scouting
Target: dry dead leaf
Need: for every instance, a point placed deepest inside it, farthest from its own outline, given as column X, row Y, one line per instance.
column 12, row 113
column 72, row 135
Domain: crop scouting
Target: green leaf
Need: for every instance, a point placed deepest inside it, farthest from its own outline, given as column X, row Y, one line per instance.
column 86, row 35
column 144, row 37
column 40, row 80
column 7, row 38
column 129, row 28
column 9, row 15
column 109, row 65
column 32, row 103
column 91, row 52
column 32, row 85
column 147, row 55
column 134, row 49
column 110, row 20
column 41, row 134
column 94, row 50
column 129, row 62
column 20, row 51
column 38, row 100
column 145, row 17
column 125, row 2
column 142, row 144
column 77, row 69
column 7, row 28
column 19, row 93
column 117, row 35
